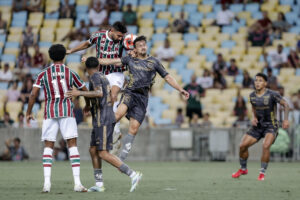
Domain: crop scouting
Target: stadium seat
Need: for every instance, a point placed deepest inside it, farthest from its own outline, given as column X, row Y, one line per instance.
column 209, row 2
column 291, row 17
column 190, row 37
column 8, row 58
column 196, row 18
column 175, row 36
column 82, row 9
column 132, row 29
column 66, row 23
column 73, row 58
column 146, row 2
column 236, row 8
column 182, row 58
column 164, row 15
column 228, row 44
column 159, row 37
column 132, row 2
column 190, row 8
column 229, row 30
column 159, row 7
column 295, row 29
column 253, row 7
column 161, row 23
column 205, row 8
column 146, row 23
column 174, row 8
column 53, row 15
column 149, row 15
column 50, row 23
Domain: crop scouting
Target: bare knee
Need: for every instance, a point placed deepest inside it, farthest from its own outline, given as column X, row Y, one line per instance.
column 114, row 97
column 266, row 146
column 93, row 151
column 243, row 147
column 103, row 155
column 72, row 142
column 133, row 129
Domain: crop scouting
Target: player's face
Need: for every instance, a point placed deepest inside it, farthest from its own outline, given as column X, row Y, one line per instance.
column 260, row 83
column 141, row 48
column 117, row 36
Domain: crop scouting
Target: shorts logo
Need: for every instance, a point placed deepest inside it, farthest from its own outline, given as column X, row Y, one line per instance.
column 128, row 146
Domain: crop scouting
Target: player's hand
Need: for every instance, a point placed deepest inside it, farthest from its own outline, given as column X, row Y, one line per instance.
column 86, row 110
column 73, row 93
column 28, row 118
column 132, row 53
column 68, row 52
column 285, row 124
column 83, row 59
column 254, row 122
column 185, row 94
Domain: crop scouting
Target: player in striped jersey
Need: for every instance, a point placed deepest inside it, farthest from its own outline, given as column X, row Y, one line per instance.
column 109, row 44
column 56, row 80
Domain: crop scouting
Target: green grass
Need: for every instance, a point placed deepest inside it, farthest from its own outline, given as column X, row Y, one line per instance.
column 161, row 181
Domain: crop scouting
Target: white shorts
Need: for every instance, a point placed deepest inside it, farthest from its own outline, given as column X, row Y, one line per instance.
column 67, row 126
column 116, row 78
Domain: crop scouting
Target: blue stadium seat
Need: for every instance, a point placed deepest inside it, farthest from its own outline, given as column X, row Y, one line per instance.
column 186, row 75
column 35, row 108
column 239, row 79
column 298, row 22
column 236, row 8
column 253, row 7
column 159, row 7
column 211, row 58
column 182, row 58
column 256, row 15
column 275, row 71
column 291, row 17
column 162, row 121
column 132, row 29
column 229, row 29
column 168, row 87
column 12, row 45
column 132, row 2
column 115, row 16
column 238, row 24
column 93, row 29
column 174, row 8
column 159, row 37
column 1, row 49
column 228, row 44
column 45, row 44
column 77, row 22
column 3, row 85
column 34, row 71
column 206, row 51
column 54, row 15
column 161, row 23
column 82, row 9
column 190, row 37
column 71, row 2
column 19, row 23
column 196, row 18
column 190, row 8
column 149, row 15
column 178, row 65
column 209, row 2
column 295, row 29
column 211, row 15
column 287, row 2
column 261, row 58
column 8, row 58
column 2, row 38
column 74, row 58
column 286, row 50
column 217, row 8
column 6, row 3
column 146, row 2
column 297, row 72
column 22, row 15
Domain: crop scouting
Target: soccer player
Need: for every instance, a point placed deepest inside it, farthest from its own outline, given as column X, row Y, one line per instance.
column 264, row 124
column 142, row 71
column 109, row 44
column 56, row 80
column 103, row 126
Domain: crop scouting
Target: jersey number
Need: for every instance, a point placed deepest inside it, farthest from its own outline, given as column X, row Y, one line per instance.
column 56, row 89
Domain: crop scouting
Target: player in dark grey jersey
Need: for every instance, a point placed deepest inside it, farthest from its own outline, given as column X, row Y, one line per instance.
column 142, row 71
column 264, row 124
column 103, row 126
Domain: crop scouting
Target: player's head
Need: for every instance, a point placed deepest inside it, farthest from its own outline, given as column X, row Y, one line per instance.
column 91, row 63
column 279, row 48
column 261, row 81
column 140, row 45
column 118, row 31
column 57, row 52
column 17, row 142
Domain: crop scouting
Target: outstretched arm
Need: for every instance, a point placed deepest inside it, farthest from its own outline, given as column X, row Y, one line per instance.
column 81, row 46
column 34, row 94
column 285, row 123
column 171, row 81
column 89, row 94
column 108, row 61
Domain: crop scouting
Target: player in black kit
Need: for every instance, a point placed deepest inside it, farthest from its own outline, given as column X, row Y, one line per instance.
column 264, row 124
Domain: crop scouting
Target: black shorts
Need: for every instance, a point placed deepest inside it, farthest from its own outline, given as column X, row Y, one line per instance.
column 190, row 111
column 137, row 105
column 102, row 137
column 260, row 131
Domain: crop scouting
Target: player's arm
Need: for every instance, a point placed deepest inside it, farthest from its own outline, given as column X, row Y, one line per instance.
column 285, row 123
column 172, row 82
column 98, row 92
column 34, row 94
column 254, row 118
column 81, row 46
column 108, row 61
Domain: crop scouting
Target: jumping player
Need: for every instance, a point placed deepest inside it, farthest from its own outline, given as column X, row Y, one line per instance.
column 56, row 80
column 264, row 124
column 103, row 126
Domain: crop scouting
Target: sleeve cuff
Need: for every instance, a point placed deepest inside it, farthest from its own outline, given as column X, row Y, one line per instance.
column 38, row 86
column 81, row 86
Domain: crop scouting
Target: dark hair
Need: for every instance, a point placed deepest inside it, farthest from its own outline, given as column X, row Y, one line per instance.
column 179, row 110
column 283, row 16
column 91, row 62
column 119, row 26
column 20, row 114
column 57, row 52
column 232, row 60
column 17, row 140
column 262, row 75
column 269, row 69
column 139, row 38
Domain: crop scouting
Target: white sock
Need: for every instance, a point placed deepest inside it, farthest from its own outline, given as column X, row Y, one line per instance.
column 75, row 162
column 99, row 184
column 117, row 126
column 47, row 164
column 132, row 174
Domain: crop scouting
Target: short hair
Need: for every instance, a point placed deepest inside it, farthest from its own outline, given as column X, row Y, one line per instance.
column 262, row 75
column 57, row 52
column 232, row 60
column 139, row 38
column 91, row 62
column 119, row 26
column 17, row 140
column 269, row 69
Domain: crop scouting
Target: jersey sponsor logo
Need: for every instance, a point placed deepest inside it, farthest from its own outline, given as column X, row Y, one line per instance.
column 266, row 100
column 108, row 52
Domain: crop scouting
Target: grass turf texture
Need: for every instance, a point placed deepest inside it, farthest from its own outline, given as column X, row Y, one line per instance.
column 165, row 180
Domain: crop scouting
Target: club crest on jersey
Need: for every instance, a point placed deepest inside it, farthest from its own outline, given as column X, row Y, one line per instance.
column 266, row 100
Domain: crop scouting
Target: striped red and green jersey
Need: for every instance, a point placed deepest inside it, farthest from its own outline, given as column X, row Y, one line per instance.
column 56, row 80
column 107, row 48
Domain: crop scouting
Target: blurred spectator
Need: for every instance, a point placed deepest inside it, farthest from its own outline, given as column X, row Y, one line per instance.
column 7, row 121
column 206, row 123
column 39, row 60
column 240, row 108
column 219, row 80
column 83, row 30
column 129, row 17
column 97, row 15
column 293, row 59
column 281, row 24
column 298, row 47
column 180, row 25
column 6, row 75
column 219, row 64
column 232, row 69
column 20, row 71
column 14, row 152
column 242, row 122
column 78, row 111
column 19, row 5
column 34, row 6
column 25, row 56
column 278, row 58
column 3, row 25
column 258, row 38
column 28, row 38
column 272, row 80
column 67, row 10
column 112, row 5
column 61, row 153
column 296, row 102
column 179, row 117
column 265, row 23
column 248, row 82
column 165, row 52
column 21, row 121
column 13, row 94
column 280, row 109
column 193, row 103
column 224, row 17
column 26, row 90
column 74, row 43
column 206, row 81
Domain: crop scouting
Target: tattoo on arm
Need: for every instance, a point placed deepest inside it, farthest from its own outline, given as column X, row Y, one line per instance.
column 92, row 94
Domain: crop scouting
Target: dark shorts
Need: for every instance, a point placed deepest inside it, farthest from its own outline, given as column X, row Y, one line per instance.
column 102, row 137
column 137, row 105
column 191, row 111
column 260, row 131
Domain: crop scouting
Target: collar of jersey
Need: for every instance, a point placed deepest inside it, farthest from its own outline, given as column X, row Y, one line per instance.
column 108, row 36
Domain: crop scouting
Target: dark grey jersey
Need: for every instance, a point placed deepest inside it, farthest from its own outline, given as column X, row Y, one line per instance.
column 142, row 72
column 102, row 110
column 266, row 106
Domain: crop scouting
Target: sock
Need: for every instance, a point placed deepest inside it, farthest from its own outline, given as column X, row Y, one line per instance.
column 117, row 126
column 264, row 167
column 98, row 177
column 75, row 162
column 243, row 163
column 126, row 170
column 128, row 140
column 47, row 164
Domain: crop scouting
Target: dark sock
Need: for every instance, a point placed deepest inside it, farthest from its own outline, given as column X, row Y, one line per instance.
column 98, row 175
column 243, row 163
column 125, row 169
column 128, row 140
column 264, row 167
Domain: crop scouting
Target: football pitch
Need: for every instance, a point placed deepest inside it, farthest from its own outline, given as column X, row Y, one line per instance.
column 161, row 181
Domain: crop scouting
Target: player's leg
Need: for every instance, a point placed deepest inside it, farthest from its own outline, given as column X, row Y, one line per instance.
column 49, row 132
column 247, row 141
column 68, row 129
